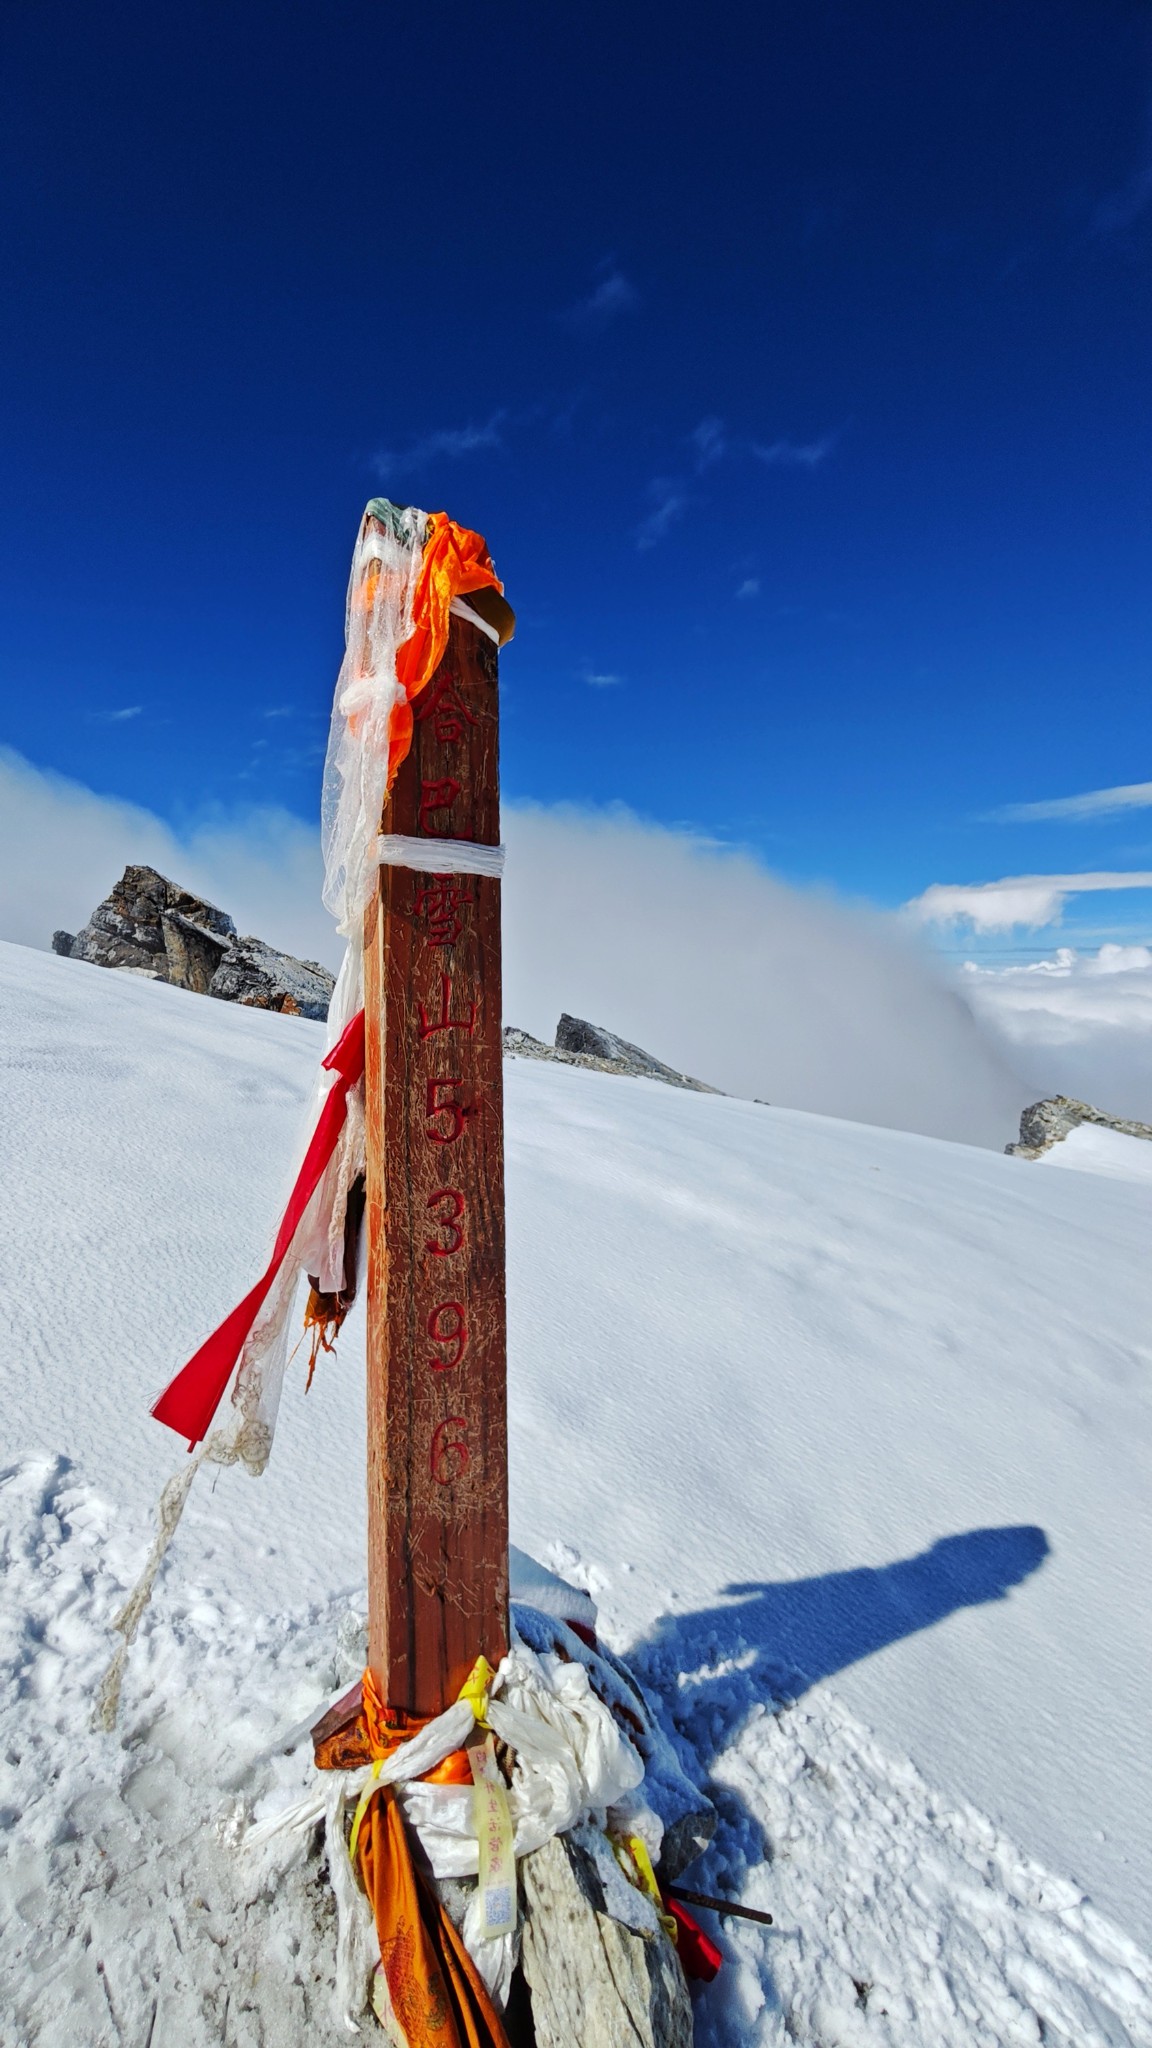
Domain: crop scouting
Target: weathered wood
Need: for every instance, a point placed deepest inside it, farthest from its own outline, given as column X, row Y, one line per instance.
column 437, row 1423
column 715, row 1905
column 595, row 1983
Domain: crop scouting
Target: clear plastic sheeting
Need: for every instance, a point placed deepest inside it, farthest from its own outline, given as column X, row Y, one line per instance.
column 378, row 619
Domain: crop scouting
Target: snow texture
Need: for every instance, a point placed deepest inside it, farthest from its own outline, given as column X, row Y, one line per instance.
column 845, row 1431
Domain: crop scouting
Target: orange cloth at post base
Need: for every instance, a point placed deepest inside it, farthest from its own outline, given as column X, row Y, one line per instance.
column 437, row 1993
column 455, row 561
column 385, row 1728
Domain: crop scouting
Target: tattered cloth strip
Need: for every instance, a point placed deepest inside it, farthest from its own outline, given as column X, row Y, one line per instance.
column 190, row 1401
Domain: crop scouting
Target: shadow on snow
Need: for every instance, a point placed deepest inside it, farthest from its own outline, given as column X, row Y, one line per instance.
column 769, row 1642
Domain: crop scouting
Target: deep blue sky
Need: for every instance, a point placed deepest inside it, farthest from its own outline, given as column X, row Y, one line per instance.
column 793, row 359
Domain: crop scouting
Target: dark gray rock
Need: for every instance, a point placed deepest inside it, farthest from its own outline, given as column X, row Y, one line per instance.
column 127, row 929
column 62, row 943
column 149, row 925
column 579, row 1044
column 193, row 951
column 1046, row 1123
column 263, row 979
column 522, row 1042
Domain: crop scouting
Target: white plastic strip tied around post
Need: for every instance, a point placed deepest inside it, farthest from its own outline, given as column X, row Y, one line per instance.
column 439, row 856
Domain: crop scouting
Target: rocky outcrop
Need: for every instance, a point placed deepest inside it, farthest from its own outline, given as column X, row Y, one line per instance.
column 253, row 973
column 1045, row 1124
column 149, row 925
column 127, row 929
column 579, row 1044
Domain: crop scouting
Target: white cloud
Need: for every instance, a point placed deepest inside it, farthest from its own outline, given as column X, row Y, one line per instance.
column 697, row 953
column 601, row 681
column 669, row 501
column 725, row 971
column 445, row 443
column 116, row 717
column 709, row 441
column 796, row 454
column 613, row 295
column 750, row 587
column 62, row 846
column 1028, row 900
column 1080, row 1024
column 1094, row 803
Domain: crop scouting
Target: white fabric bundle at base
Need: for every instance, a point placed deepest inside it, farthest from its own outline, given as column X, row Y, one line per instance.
column 571, row 1763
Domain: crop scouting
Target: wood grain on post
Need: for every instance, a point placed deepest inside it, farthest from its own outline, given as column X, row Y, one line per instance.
column 437, row 1401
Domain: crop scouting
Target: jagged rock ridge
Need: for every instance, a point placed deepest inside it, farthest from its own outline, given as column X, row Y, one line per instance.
column 579, row 1044
column 149, row 925
column 1044, row 1124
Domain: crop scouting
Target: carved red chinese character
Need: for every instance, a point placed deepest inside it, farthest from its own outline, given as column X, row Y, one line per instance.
column 437, row 796
column 445, row 1022
column 443, row 705
column 440, row 903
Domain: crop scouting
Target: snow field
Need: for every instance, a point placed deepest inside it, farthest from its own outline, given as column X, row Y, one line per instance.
column 846, row 1431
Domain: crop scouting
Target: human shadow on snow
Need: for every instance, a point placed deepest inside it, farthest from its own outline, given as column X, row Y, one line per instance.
column 770, row 1642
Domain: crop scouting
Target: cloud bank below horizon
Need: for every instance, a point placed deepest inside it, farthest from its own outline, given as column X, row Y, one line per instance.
column 695, row 952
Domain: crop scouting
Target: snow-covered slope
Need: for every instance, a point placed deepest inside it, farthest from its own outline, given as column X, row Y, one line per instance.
column 847, row 1431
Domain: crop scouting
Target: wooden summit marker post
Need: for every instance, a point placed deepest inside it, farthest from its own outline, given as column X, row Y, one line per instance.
column 437, row 1401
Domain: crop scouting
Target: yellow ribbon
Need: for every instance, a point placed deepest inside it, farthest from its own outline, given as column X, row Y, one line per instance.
column 644, row 1877
column 475, row 1691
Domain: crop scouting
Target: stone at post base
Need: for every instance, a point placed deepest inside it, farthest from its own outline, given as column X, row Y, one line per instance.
column 594, row 1982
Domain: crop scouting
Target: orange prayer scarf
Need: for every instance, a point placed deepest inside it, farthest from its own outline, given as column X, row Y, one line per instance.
column 437, row 1993
column 455, row 561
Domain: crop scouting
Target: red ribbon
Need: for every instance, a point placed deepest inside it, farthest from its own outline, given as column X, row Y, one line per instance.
column 190, row 1401
column 699, row 1956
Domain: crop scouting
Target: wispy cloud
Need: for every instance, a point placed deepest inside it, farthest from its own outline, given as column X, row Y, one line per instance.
column 446, row 443
column 280, row 711
column 669, row 500
column 709, row 442
column 117, row 717
column 750, row 587
column 601, row 681
column 795, row 454
column 1093, row 803
column 1031, row 901
column 1121, row 209
column 612, row 295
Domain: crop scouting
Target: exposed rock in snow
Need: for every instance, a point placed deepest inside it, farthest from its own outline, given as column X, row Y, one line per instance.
column 149, row 925
column 1047, row 1123
column 257, row 975
column 591, row 1977
column 579, row 1044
